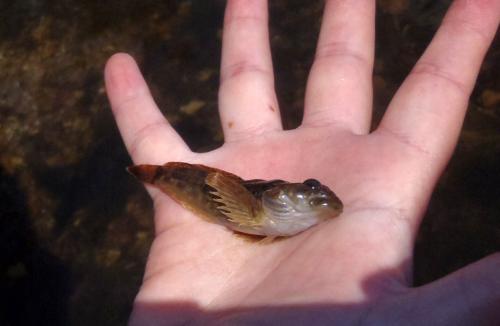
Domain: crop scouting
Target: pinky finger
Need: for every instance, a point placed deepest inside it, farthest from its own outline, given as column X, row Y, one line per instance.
column 148, row 136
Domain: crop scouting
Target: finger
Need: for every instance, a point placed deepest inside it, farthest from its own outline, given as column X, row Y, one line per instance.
column 148, row 136
column 470, row 296
column 428, row 110
column 339, row 89
column 247, row 101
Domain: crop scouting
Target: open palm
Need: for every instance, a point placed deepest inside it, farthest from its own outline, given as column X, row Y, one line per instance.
column 352, row 269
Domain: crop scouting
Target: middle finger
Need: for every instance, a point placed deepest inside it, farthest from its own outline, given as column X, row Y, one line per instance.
column 339, row 89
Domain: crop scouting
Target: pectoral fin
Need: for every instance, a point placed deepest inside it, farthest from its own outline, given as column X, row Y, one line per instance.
column 234, row 200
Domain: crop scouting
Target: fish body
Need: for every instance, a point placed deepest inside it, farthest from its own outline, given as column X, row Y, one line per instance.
column 266, row 208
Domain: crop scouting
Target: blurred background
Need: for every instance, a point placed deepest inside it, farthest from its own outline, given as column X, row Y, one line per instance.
column 75, row 228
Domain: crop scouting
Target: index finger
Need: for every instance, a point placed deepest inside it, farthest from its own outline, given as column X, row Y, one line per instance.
column 428, row 110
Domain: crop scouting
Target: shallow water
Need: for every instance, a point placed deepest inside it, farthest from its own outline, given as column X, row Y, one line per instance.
column 75, row 228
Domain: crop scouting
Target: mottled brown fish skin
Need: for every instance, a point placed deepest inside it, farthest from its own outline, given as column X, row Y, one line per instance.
column 145, row 173
column 264, row 208
column 185, row 183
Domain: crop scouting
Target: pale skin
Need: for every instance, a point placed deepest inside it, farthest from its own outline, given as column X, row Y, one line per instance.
column 357, row 268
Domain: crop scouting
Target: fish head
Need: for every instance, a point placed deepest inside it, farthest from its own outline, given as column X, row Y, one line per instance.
column 309, row 202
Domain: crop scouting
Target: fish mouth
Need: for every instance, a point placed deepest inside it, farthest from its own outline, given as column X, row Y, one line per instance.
column 319, row 201
column 329, row 204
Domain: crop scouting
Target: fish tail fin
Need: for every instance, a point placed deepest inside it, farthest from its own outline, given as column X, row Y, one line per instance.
column 144, row 172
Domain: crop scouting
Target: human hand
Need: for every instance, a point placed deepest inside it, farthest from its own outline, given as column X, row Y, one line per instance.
column 352, row 269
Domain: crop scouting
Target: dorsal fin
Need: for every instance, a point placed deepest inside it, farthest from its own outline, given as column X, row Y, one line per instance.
column 234, row 200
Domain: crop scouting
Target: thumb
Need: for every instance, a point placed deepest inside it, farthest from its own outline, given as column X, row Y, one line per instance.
column 469, row 296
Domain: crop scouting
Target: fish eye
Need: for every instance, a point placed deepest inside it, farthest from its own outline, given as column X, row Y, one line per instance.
column 312, row 183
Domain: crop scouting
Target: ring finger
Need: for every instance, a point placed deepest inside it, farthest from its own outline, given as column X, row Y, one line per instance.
column 247, row 101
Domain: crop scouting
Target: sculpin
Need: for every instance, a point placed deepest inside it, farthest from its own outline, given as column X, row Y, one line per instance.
column 258, row 207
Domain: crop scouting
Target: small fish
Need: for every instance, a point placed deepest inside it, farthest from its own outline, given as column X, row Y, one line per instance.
column 273, row 208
